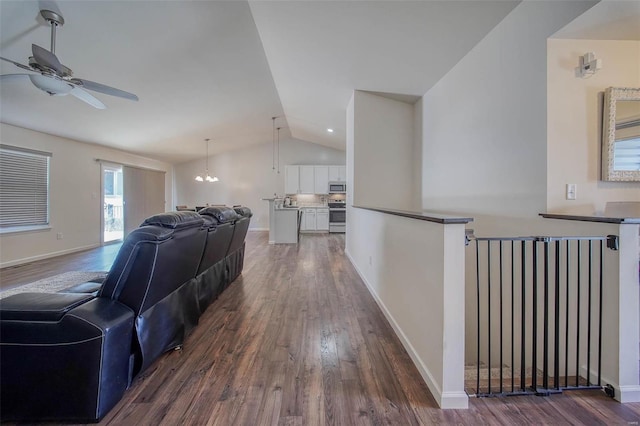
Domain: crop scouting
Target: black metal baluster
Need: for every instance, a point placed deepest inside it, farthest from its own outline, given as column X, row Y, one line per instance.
column 589, row 315
column 523, row 384
column 489, row 315
column 545, row 320
column 579, row 284
column 478, row 317
column 556, row 352
column 512, row 316
column 600, row 315
column 501, row 317
column 566, row 344
column 534, row 333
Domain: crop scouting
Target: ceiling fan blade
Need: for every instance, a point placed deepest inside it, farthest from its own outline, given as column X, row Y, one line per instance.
column 5, row 77
column 47, row 59
column 85, row 96
column 26, row 67
column 97, row 87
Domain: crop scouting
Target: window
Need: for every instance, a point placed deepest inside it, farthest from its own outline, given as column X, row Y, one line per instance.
column 24, row 188
column 113, row 182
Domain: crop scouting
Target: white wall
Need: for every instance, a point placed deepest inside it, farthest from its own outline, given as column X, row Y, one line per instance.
column 246, row 176
column 413, row 268
column 75, row 205
column 384, row 156
column 484, row 122
column 574, row 117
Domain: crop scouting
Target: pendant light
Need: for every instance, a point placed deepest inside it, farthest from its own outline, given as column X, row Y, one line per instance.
column 275, row 148
column 207, row 177
column 273, row 145
column 278, row 149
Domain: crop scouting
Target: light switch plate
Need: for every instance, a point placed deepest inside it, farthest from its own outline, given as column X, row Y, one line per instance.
column 571, row 191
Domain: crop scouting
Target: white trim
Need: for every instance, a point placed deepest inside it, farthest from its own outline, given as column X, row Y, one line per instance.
column 623, row 394
column 446, row 399
column 454, row 400
column 47, row 255
column 258, row 229
column 27, row 228
column 626, row 394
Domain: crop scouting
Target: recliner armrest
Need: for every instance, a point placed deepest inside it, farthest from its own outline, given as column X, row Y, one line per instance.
column 40, row 306
column 90, row 287
column 75, row 369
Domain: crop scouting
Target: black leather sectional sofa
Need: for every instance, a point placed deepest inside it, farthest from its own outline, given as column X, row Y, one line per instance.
column 70, row 356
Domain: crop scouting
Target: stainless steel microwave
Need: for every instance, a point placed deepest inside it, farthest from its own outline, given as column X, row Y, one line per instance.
column 337, row 187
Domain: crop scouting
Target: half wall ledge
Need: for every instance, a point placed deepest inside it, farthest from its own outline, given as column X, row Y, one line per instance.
column 593, row 218
column 428, row 216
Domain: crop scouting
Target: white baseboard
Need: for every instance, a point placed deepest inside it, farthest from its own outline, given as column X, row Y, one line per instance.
column 258, row 229
column 623, row 394
column 626, row 394
column 46, row 256
column 454, row 400
column 446, row 400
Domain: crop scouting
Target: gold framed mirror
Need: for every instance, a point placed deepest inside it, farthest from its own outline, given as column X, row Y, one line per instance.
column 621, row 135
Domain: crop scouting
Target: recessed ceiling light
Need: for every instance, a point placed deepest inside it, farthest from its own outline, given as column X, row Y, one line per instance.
column 330, row 130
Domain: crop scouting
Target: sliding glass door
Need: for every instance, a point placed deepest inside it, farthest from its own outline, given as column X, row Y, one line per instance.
column 113, row 205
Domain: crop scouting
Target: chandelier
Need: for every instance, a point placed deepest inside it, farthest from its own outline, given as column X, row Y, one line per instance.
column 207, row 177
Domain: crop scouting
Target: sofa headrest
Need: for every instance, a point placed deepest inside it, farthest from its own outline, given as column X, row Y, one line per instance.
column 175, row 220
column 243, row 211
column 221, row 214
column 209, row 221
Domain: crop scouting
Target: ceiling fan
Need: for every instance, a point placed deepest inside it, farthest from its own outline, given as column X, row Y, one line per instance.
column 56, row 79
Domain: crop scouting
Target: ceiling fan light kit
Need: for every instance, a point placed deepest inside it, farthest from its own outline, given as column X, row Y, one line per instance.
column 51, row 85
column 54, row 78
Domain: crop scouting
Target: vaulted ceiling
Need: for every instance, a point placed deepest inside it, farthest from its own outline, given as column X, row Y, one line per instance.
column 221, row 70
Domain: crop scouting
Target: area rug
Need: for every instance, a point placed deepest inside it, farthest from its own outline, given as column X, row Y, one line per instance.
column 55, row 283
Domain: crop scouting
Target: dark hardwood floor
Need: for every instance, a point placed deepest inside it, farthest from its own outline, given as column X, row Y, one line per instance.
column 298, row 340
column 99, row 259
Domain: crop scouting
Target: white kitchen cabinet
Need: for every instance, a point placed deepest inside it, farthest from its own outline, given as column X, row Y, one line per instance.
column 311, row 179
column 307, row 180
column 337, row 173
column 308, row 219
column 322, row 219
column 315, row 219
column 321, row 179
column 291, row 179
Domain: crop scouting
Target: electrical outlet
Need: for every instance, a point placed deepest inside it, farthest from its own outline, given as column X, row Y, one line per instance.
column 59, row 236
column 571, row 191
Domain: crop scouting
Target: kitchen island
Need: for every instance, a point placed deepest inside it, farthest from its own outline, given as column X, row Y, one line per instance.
column 284, row 222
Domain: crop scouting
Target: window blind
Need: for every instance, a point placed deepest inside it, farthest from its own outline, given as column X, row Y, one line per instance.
column 24, row 187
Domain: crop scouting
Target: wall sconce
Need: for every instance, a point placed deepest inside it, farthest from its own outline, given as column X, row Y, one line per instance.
column 588, row 65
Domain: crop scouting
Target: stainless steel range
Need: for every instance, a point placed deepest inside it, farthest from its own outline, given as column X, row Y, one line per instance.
column 337, row 216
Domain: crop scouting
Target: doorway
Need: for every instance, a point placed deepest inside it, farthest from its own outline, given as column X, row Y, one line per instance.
column 112, row 201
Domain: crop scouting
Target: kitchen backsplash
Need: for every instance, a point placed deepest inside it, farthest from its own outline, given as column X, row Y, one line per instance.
column 302, row 200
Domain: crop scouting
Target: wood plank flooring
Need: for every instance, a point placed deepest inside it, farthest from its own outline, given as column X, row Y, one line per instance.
column 298, row 340
column 99, row 259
